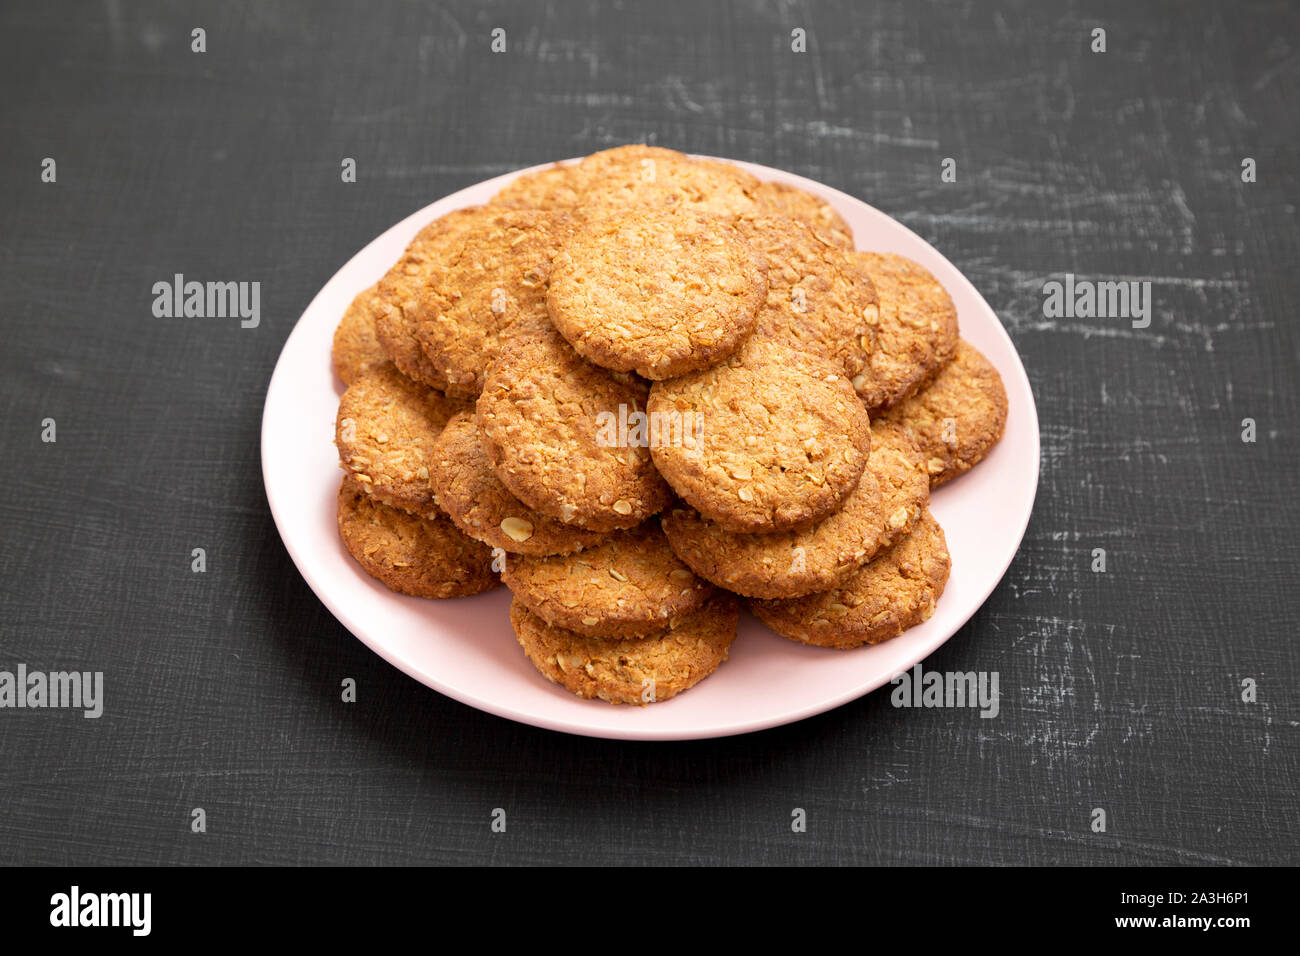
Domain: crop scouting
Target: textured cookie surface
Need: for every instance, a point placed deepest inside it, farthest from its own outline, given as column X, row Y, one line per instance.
column 885, row 505
column 491, row 278
column 880, row 600
column 917, row 329
column 780, row 199
column 472, row 495
column 424, row 557
column 958, row 416
column 658, row 293
column 817, row 301
column 356, row 347
column 396, row 307
column 614, row 180
column 638, row 670
column 555, row 188
column 782, row 439
column 631, row 584
column 385, row 431
column 545, row 416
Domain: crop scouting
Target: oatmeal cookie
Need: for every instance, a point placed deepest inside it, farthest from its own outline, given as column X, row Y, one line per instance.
column 958, row 417
column 385, row 430
column 885, row 505
column 356, row 347
column 630, row 585
column 472, row 495
column 638, row 670
column 896, row 591
column 491, row 279
column 655, row 292
column 784, row 438
column 410, row 554
column 545, row 416
column 917, row 329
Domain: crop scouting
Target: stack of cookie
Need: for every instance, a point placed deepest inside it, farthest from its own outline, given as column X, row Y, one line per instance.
column 636, row 387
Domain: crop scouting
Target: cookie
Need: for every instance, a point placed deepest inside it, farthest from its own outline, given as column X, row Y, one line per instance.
column 880, row 600
column 396, row 308
column 885, row 505
column 817, row 300
column 629, row 585
column 491, row 278
column 958, row 416
column 555, row 188
column 550, row 422
column 782, row 438
column 356, row 347
column 423, row 557
column 615, row 180
column 638, row 670
column 917, row 332
column 385, row 432
column 472, row 495
column 779, row 199
column 655, row 292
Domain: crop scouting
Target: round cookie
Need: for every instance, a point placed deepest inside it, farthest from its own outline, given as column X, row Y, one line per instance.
column 423, row 557
column 880, row 600
column 472, row 495
column 647, row 176
column 783, row 438
column 885, row 505
column 548, row 419
column 639, row 670
column 556, row 188
column 490, row 280
column 817, row 300
column 630, row 585
column 356, row 348
column 385, row 430
column 780, row 199
column 655, row 292
column 917, row 329
column 958, row 416
column 396, row 308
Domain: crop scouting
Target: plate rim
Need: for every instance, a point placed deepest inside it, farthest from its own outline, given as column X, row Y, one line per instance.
column 560, row 724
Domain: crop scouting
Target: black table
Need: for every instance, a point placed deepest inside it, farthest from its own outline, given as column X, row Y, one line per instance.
column 1120, row 690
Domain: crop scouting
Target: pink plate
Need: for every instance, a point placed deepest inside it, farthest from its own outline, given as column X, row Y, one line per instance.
column 465, row 648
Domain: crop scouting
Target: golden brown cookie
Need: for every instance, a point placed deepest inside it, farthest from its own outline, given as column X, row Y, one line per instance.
column 396, row 308
column 958, row 416
column 779, row 199
column 472, row 495
column 783, row 438
column 545, row 416
column 491, row 278
column 556, row 188
column 385, row 430
column 640, row 670
column 423, row 557
column 817, row 300
column 356, row 348
column 656, row 292
column 917, row 329
column 629, row 585
column 648, row 176
column 880, row 600
column 885, row 505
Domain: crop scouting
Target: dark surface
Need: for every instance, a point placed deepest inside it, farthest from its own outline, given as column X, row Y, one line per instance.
column 1119, row 690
